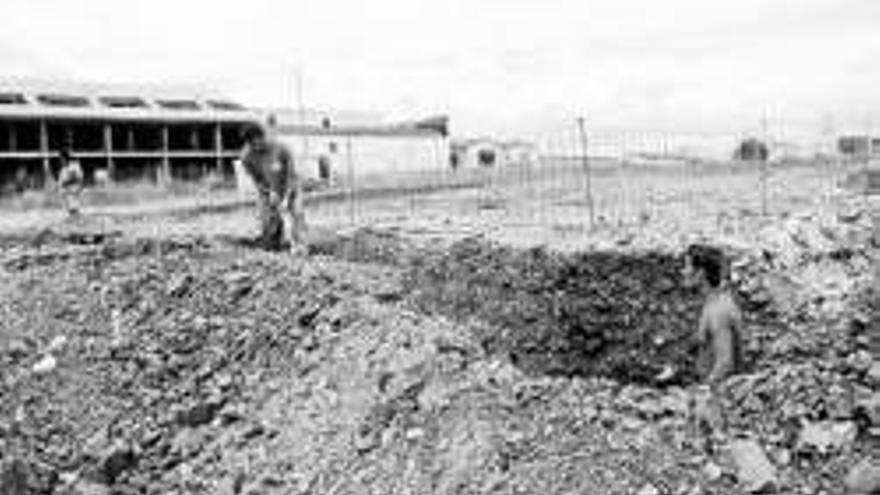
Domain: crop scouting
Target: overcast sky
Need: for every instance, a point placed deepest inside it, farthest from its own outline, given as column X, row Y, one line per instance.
column 494, row 65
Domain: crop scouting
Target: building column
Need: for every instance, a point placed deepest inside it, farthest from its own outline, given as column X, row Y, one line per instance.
column 13, row 137
column 165, row 173
column 218, row 146
column 44, row 151
column 108, row 151
column 68, row 138
column 130, row 137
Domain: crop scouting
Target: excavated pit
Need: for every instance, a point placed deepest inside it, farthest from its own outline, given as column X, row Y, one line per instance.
column 621, row 316
column 617, row 315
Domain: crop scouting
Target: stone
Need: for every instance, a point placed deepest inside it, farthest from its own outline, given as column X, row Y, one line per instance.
column 200, row 413
column 667, row 374
column 783, row 457
column 867, row 404
column 232, row 485
column 649, row 489
column 21, row 477
column 85, row 487
column 45, row 365
column 754, row 471
column 187, row 443
column 271, row 481
column 57, row 344
column 366, row 442
column 861, row 361
column 178, row 285
column 874, row 374
column 863, row 478
column 827, row 437
column 116, row 460
column 17, row 349
column 712, row 471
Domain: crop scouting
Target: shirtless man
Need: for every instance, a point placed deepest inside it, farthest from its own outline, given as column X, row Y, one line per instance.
column 718, row 335
column 270, row 165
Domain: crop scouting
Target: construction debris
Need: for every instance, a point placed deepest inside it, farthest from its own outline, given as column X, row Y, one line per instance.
column 416, row 370
column 864, row 478
column 755, row 472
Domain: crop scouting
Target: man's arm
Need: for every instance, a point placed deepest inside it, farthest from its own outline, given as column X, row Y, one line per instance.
column 722, row 347
column 293, row 186
column 253, row 171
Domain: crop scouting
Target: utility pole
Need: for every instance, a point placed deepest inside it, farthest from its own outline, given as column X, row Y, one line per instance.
column 302, row 118
column 586, row 162
column 763, row 160
column 867, row 163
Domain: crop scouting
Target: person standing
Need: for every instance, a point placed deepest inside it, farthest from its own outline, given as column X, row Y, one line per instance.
column 270, row 165
column 70, row 182
column 718, row 334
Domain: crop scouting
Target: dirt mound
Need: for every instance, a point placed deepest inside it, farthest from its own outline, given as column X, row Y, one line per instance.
column 365, row 245
column 182, row 366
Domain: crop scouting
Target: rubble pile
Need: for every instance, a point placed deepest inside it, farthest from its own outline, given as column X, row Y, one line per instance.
column 177, row 366
column 152, row 341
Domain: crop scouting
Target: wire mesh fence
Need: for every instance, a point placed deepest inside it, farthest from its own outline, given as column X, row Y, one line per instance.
column 573, row 181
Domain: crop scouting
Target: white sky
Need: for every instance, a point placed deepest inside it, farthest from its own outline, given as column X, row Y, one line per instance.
column 500, row 66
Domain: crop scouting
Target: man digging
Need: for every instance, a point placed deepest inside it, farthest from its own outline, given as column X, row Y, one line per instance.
column 279, row 190
column 718, row 335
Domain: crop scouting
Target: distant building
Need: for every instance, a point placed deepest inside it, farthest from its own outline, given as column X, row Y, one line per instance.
column 119, row 131
column 477, row 152
column 518, row 152
column 331, row 145
column 858, row 145
column 487, row 152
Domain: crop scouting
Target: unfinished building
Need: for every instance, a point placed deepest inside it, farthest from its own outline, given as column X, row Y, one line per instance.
column 123, row 133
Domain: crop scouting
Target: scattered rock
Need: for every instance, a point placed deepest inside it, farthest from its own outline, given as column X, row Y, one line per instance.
column 367, row 441
column 56, row 345
column 200, row 413
column 116, row 460
column 17, row 349
column 85, row 487
column 863, row 478
column 649, row 489
column 45, row 365
column 874, row 374
column 271, row 481
column 783, row 457
column 187, row 443
column 415, row 434
column 867, row 404
column 178, row 285
column 754, row 471
column 712, row 471
column 21, row 477
column 827, row 436
column 667, row 374
column 232, row 485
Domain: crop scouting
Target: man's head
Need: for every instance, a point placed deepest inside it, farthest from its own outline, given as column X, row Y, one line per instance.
column 254, row 136
column 703, row 265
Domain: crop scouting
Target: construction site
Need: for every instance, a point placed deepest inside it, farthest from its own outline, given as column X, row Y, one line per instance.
column 492, row 333
column 418, row 248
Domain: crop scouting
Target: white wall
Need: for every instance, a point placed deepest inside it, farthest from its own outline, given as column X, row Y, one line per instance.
column 370, row 154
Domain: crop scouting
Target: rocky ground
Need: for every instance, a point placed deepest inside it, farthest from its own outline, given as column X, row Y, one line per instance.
column 375, row 364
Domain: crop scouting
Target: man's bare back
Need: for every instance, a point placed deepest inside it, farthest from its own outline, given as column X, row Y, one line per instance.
column 719, row 338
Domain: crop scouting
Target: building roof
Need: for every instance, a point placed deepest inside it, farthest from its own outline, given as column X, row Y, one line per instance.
column 24, row 98
column 430, row 127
